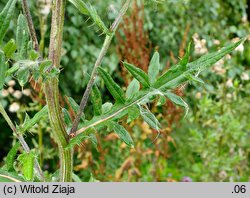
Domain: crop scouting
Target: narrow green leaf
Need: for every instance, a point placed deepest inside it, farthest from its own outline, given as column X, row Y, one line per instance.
column 211, row 58
column 133, row 113
column 23, row 75
column 73, row 104
column 27, row 160
column 115, row 90
column 81, row 6
column 10, row 48
column 132, row 89
column 22, row 37
column 92, row 179
column 154, row 67
column 149, row 118
column 137, row 73
column 11, row 157
column 28, row 123
column 5, row 17
column 96, row 100
column 174, row 72
column 97, row 20
column 176, row 100
column 193, row 78
column 3, row 69
column 122, row 133
column 12, row 70
column 185, row 59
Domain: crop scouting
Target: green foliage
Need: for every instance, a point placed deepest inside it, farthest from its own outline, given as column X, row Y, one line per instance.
column 28, row 123
column 11, row 157
column 10, row 48
column 154, row 67
column 27, row 161
column 5, row 18
column 138, row 74
column 92, row 13
column 22, row 37
column 115, row 90
column 122, row 133
column 96, row 100
column 3, row 69
column 132, row 89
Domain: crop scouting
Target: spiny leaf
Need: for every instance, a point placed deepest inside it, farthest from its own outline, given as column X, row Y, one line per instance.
column 154, row 67
column 97, row 20
column 115, row 90
column 92, row 13
column 149, row 118
column 122, row 133
column 81, row 6
column 22, row 37
column 28, row 123
column 96, row 100
column 211, row 58
column 75, row 106
column 137, row 73
column 27, row 160
column 132, row 89
column 3, row 69
column 161, row 101
column 11, row 157
column 5, row 17
column 10, row 48
column 93, row 139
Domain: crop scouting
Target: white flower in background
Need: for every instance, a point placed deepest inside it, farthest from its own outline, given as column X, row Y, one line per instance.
column 11, row 83
column 244, row 19
column 228, row 57
column 14, row 107
column 17, row 94
column 112, row 8
column 240, row 48
column 198, row 95
column 45, row 6
column 26, row 92
column 5, row 93
column 244, row 76
column 218, row 67
column 11, row 90
column 216, row 42
column 199, row 45
column 229, row 82
column 229, row 96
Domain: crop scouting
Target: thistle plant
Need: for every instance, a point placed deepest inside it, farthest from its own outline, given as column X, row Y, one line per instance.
column 21, row 58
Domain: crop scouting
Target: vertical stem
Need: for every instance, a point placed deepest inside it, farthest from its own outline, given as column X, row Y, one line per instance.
column 30, row 24
column 52, row 92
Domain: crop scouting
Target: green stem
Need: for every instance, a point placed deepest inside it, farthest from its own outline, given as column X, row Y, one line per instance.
column 52, row 93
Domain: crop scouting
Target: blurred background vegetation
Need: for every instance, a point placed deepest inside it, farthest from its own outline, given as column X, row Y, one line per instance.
column 212, row 143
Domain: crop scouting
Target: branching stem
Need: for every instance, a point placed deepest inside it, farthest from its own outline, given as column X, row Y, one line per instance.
column 98, row 62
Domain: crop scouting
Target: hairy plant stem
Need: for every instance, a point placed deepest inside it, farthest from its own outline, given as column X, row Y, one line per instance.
column 52, row 92
column 98, row 63
column 32, row 31
column 21, row 140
